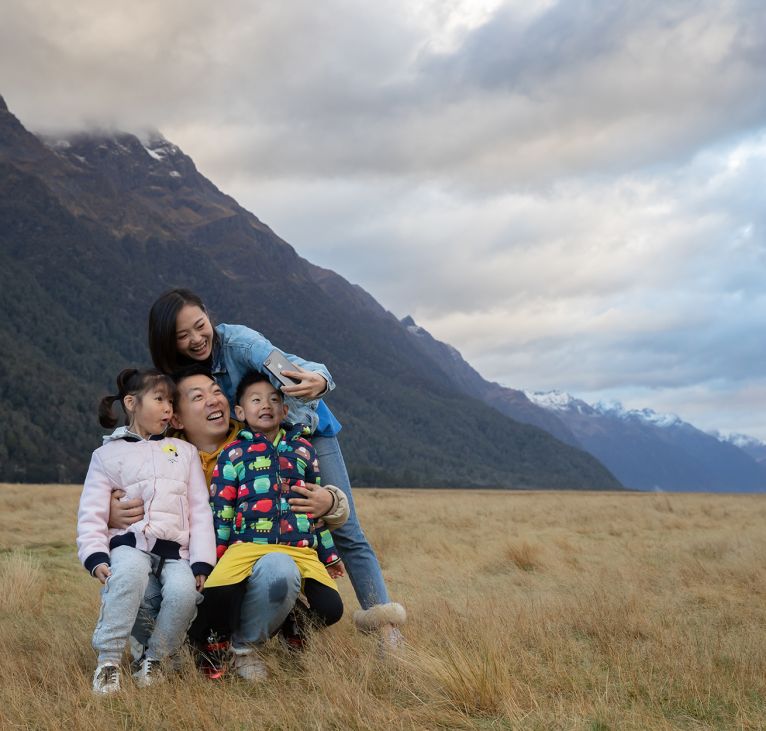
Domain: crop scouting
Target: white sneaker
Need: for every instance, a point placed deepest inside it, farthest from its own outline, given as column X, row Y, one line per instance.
column 149, row 673
column 106, row 679
column 248, row 664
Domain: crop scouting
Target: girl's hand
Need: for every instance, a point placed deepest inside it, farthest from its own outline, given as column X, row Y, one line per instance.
column 123, row 514
column 311, row 385
column 102, row 572
column 317, row 500
column 200, row 579
column 336, row 570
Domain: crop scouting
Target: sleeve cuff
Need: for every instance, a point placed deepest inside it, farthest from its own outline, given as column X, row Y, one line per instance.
column 200, row 567
column 94, row 560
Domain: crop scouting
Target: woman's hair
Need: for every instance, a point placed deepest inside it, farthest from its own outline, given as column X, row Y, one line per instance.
column 132, row 382
column 162, row 329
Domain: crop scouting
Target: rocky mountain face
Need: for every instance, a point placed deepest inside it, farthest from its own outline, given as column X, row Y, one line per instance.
column 94, row 226
column 467, row 380
column 650, row 451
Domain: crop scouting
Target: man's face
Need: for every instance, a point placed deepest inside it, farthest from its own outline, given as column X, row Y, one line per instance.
column 202, row 411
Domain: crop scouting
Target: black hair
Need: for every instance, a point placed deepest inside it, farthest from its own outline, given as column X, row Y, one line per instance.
column 162, row 329
column 248, row 380
column 195, row 369
column 133, row 382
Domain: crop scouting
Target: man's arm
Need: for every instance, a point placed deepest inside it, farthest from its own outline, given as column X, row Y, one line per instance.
column 328, row 503
column 122, row 514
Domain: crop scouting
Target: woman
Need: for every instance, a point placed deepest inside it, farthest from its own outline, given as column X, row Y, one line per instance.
column 181, row 333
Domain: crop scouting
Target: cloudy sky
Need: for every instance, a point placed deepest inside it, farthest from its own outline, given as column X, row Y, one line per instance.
column 571, row 193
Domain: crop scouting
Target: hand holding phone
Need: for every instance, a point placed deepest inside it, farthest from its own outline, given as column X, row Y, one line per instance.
column 275, row 363
column 307, row 385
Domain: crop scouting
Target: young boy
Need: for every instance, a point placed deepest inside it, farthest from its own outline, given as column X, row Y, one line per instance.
column 250, row 489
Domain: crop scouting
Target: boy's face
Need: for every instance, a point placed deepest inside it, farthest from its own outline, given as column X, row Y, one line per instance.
column 262, row 407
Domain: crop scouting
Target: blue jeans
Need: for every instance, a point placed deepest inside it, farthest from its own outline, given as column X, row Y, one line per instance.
column 357, row 554
column 271, row 593
column 121, row 597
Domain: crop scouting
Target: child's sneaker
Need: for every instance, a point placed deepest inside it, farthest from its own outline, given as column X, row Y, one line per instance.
column 211, row 659
column 106, row 679
column 149, row 673
column 290, row 635
column 248, row 664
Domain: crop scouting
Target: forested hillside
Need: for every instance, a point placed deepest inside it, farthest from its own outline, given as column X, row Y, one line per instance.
column 94, row 227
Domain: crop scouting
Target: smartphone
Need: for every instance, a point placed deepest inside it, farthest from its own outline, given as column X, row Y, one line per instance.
column 275, row 363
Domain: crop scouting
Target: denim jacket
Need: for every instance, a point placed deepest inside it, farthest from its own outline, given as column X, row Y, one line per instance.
column 241, row 350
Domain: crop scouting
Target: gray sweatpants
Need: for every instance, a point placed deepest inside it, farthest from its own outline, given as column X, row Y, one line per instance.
column 132, row 572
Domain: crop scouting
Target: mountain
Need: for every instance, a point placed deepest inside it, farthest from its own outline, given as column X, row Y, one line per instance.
column 650, row 451
column 467, row 380
column 94, row 226
column 750, row 445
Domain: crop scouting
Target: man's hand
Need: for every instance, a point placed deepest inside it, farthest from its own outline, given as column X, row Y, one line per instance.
column 311, row 385
column 102, row 572
column 316, row 501
column 336, row 570
column 200, row 579
column 123, row 514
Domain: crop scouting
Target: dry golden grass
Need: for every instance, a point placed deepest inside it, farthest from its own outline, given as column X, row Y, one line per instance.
column 527, row 611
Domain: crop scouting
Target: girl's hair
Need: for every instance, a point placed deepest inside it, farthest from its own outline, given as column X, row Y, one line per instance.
column 133, row 382
column 162, row 329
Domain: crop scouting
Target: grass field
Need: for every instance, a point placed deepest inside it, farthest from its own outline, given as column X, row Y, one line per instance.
column 527, row 611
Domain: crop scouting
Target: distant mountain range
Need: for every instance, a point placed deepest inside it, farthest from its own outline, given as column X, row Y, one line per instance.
column 94, row 226
column 643, row 449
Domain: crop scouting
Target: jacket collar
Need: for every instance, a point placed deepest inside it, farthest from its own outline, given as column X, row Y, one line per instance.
column 123, row 432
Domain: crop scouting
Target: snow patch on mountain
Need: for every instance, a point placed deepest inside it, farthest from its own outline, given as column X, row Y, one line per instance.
column 743, row 441
column 556, row 401
column 562, row 401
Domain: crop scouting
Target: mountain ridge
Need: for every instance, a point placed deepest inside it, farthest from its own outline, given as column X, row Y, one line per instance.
column 93, row 228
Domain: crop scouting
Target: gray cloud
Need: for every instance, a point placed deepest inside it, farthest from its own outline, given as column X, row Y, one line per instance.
column 570, row 192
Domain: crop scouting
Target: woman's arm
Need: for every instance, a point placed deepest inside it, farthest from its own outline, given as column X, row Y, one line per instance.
column 253, row 348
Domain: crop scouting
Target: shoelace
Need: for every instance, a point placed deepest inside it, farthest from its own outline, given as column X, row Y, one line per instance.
column 109, row 675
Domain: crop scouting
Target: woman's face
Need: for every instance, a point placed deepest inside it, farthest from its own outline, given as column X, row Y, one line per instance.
column 194, row 333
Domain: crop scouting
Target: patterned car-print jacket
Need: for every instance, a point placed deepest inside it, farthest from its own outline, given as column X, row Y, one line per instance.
column 251, row 485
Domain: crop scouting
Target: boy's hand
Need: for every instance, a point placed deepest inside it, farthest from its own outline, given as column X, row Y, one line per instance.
column 317, row 500
column 102, row 572
column 123, row 514
column 336, row 570
column 200, row 579
column 311, row 385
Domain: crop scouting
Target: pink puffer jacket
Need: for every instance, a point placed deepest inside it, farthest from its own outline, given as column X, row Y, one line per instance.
column 166, row 474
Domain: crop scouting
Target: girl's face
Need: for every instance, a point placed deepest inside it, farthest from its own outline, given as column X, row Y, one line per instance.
column 194, row 333
column 150, row 412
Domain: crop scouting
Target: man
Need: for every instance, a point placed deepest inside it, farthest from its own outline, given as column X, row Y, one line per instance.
column 202, row 417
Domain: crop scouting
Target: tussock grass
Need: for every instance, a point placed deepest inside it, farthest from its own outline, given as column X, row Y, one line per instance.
column 546, row 611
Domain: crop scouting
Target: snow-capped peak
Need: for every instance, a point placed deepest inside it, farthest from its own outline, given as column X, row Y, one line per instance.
column 553, row 400
column 562, row 401
column 739, row 440
column 615, row 408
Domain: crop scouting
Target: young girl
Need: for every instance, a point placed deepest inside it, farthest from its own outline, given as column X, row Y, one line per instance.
column 181, row 332
column 177, row 527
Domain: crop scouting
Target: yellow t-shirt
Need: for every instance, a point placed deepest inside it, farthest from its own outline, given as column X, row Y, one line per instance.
column 238, row 561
